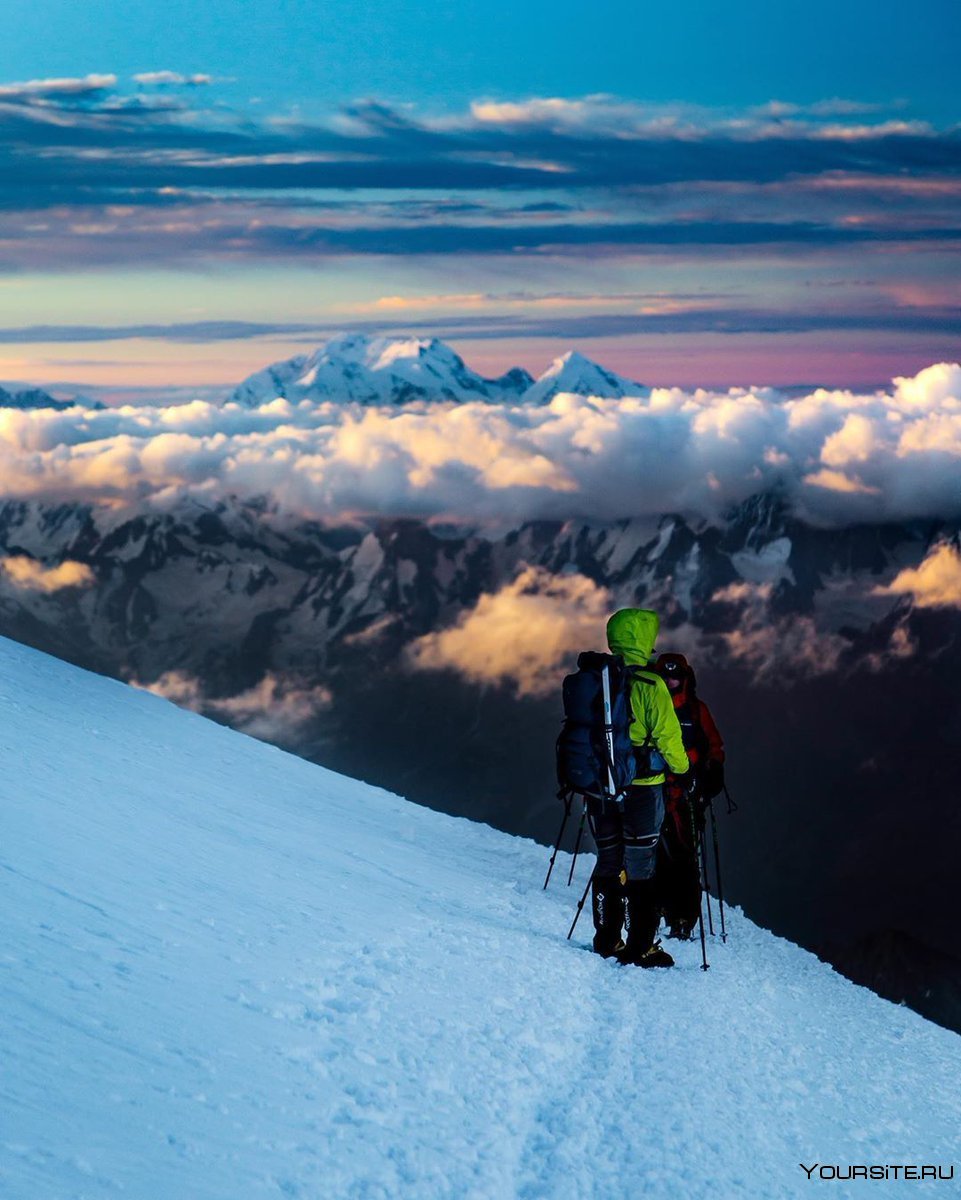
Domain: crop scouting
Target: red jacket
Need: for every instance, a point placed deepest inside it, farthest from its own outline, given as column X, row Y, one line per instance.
column 714, row 748
column 702, row 738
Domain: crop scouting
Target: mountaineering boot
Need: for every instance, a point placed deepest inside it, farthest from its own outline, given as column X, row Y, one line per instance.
column 643, row 918
column 654, row 957
column 681, row 930
column 607, row 906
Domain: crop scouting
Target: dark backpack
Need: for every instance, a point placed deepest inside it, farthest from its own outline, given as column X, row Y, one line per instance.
column 585, row 764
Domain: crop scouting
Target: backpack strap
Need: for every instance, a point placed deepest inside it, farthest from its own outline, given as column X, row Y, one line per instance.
column 650, row 679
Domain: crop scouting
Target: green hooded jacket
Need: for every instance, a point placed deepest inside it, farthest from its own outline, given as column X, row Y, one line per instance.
column 631, row 633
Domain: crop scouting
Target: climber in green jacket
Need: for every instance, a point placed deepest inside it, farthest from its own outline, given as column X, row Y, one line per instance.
column 627, row 837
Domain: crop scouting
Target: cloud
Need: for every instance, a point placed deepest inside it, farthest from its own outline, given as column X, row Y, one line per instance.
column 176, row 686
column 58, row 152
column 837, row 481
column 647, row 301
column 530, row 631
column 26, row 574
column 936, row 583
column 900, row 647
column 193, row 331
column 521, row 635
column 92, row 177
column 62, row 89
column 772, row 646
column 273, row 710
column 612, row 116
column 559, row 237
column 540, row 317
column 173, row 78
column 522, row 319
column 838, row 457
column 588, row 115
column 836, row 107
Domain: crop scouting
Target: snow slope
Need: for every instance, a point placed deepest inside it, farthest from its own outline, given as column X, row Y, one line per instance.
column 227, row 973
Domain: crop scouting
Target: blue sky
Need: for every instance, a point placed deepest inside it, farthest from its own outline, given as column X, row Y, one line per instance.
column 321, row 53
column 711, row 193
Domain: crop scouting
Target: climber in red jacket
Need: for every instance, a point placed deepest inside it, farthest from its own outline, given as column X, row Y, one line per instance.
column 678, row 874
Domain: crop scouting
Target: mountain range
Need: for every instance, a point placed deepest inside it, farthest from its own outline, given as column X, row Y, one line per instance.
column 230, row 589
column 360, row 369
column 396, row 370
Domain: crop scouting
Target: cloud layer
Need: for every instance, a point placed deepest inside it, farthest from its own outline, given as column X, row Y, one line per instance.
column 936, row 583
column 528, row 633
column 522, row 634
column 148, row 176
column 26, row 574
column 275, row 709
column 839, row 457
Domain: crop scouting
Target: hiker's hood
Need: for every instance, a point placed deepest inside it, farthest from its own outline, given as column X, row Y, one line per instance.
column 631, row 633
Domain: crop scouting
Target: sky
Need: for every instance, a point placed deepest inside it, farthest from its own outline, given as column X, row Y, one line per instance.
column 717, row 195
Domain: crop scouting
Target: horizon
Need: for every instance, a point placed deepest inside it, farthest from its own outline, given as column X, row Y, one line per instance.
column 214, row 389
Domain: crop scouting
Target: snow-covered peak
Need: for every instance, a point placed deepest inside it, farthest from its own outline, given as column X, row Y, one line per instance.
column 358, row 368
column 573, row 373
column 31, row 398
column 514, row 383
column 369, row 370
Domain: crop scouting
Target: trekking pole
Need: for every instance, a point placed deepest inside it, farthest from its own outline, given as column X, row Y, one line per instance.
column 557, row 843
column 700, row 908
column 700, row 921
column 609, row 740
column 731, row 806
column 609, row 733
column 707, row 888
column 717, row 872
column 580, row 906
column 577, row 846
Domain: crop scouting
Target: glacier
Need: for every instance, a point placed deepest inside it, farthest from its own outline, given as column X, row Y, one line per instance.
column 231, row 974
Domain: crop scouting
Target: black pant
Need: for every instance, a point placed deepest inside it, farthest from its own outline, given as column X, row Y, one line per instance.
column 627, row 841
column 678, row 872
column 627, row 838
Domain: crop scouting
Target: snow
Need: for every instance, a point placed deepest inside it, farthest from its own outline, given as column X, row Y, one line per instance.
column 368, row 370
column 619, row 548
column 356, row 368
column 33, row 398
column 573, row 374
column 766, row 564
column 230, row 974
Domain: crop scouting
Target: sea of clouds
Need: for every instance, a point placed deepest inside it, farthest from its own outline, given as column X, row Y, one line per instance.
column 839, row 457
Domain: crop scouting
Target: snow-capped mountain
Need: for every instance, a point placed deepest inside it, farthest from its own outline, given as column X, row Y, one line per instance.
column 395, row 370
column 31, row 398
column 574, row 374
column 231, row 973
column 376, row 370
